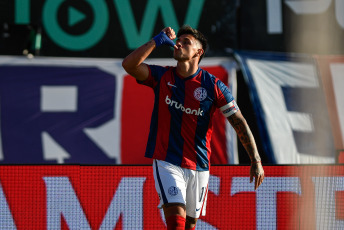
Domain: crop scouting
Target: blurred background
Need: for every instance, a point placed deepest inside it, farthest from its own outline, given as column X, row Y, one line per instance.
column 65, row 98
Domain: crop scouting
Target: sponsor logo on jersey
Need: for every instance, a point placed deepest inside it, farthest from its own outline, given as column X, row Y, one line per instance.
column 175, row 104
column 200, row 93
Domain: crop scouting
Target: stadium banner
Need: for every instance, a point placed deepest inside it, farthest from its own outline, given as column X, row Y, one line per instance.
column 300, row 26
column 88, row 111
column 124, row 197
column 332, row 73
column 109, row 28
column 290, row 107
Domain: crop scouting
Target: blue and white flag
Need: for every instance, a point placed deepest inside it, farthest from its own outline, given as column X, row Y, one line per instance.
column 290, row 107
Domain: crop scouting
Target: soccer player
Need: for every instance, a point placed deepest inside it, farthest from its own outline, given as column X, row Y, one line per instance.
column 186, row 97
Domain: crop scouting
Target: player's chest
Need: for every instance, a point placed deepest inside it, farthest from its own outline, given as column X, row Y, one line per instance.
column 192, row 91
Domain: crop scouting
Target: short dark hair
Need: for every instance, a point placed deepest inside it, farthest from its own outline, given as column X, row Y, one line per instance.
column 186, row 29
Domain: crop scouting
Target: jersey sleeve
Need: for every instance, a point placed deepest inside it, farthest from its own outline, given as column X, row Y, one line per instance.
column 155, row 74
column 224, row 99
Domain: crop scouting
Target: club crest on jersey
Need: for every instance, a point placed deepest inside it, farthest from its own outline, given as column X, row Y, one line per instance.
column 173, row 191
column 200, row 93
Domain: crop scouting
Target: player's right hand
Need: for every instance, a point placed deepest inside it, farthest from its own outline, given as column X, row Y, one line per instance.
column 165, row 37
column 169, row 32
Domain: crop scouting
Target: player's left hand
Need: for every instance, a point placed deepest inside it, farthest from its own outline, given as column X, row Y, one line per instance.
column 257, row 172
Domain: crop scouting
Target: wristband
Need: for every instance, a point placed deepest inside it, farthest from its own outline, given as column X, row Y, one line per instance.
column 256, row 162
column 163, row 39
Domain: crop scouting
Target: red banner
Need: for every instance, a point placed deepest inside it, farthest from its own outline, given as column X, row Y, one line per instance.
column 124, row 197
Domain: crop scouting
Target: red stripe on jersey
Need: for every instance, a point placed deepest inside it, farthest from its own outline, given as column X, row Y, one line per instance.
column 220, row 98
column 189, row 125
column 210, row 126
column 219, row 140
column 209, row 133
column 210, row 130
column 164, row 115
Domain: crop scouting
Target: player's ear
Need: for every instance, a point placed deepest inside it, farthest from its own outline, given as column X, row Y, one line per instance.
column 200, row 52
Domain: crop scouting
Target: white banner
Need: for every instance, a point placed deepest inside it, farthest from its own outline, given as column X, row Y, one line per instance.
column 290, row 107
column 331, row 69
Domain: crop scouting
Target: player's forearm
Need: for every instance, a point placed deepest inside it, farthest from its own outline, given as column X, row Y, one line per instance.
column 132, row 63
column 247, row 140
column 136, row 57
column 245, row 136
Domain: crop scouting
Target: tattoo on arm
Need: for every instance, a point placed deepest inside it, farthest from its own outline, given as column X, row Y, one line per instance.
column 245, row 135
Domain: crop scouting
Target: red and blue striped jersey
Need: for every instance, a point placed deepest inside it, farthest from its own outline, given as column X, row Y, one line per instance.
column 181, row 123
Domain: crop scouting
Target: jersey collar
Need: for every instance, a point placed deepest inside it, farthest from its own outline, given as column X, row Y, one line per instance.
column 189, row 77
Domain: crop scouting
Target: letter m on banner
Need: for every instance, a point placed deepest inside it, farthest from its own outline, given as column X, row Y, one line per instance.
column 63, row 202
column 136, row 37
